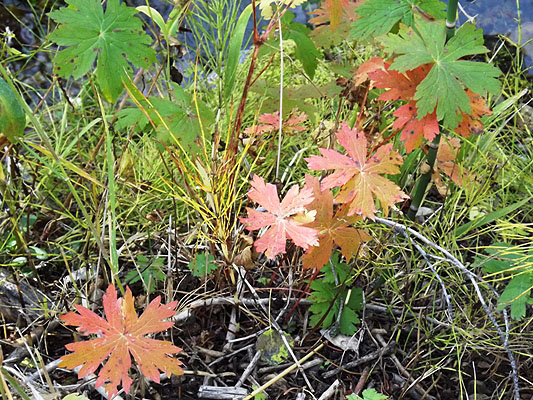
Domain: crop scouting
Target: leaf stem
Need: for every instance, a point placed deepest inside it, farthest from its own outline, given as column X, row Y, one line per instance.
column 420, row 190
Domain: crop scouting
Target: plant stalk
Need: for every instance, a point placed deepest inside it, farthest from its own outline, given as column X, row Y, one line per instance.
column 421, row 187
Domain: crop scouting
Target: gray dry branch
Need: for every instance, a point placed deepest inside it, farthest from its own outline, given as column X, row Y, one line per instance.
column 411, row 234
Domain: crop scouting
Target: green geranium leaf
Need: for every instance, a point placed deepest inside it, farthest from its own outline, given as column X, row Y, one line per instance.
column 175, row 121
column 515, row 261
column 150, row 270
column 368, row 394
column 377, row 17
column 202, row 265
column 323, row 293
column 517, row 293
column 444, row 86
column 349, row 321
column 114, row 37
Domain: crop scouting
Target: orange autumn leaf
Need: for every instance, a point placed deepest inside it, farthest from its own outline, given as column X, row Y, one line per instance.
column 269, row 123
column 335, row 8
column 340, row 14
column 446, row 162
column 365, row 69
column 413, row 130
column 358, row 175
column 121, row 335
column 281, row 218
column 333, row 229
column 471, row 123
column 401, row 86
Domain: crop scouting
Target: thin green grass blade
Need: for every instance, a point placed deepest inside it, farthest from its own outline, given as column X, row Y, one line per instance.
column 14, row 383
column 491, row 217
column 234, row 51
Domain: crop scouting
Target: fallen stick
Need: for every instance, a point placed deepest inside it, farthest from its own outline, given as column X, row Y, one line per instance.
column 285, row 372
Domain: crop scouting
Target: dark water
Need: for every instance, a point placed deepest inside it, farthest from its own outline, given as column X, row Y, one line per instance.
column 493, row 16
column 501, row 17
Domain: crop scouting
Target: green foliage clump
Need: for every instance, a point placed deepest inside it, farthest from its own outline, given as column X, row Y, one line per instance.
column 325, row 292
column 378, row 17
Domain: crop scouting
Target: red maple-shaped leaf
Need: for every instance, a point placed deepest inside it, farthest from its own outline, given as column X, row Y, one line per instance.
column 365, row 69
column 119, row 336
column 269, row 123
column 413, row 130
column 401, row 86
column 471, row 123
column 282, row 218
column 359, row 176
column 333, row 229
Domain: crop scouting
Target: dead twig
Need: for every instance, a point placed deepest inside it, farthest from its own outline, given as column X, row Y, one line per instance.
column 409, row 233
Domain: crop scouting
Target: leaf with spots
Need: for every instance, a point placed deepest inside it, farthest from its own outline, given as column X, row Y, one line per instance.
column 358, row 174
column 471, row 123
column 334, row 229
column 413, row 130
column 115, row 37
column 449, row 76
column 121, row 335
column 285, row 219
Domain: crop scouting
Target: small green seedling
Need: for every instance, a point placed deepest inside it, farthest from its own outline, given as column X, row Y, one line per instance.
column 150, row 270
column 510, row 260
column 368, row 394
column 323, row 294
column 202, row 265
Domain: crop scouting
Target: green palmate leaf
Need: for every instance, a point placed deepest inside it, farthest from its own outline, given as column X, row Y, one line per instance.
column 12, row 117
column 368, row 394
column 294, row 98
column 114, row 37
column 377, row 17
column 444, row 86
column 176, row 121
column 517, row 294
column 150, row 271
column 324, row 293
column 202, row 265
column 514, row 261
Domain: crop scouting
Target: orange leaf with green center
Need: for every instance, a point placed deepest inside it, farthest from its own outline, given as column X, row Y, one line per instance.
column 340, row 14
column 359, row 176
column 333, row 229
column 121, row 335
column 282, row 218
